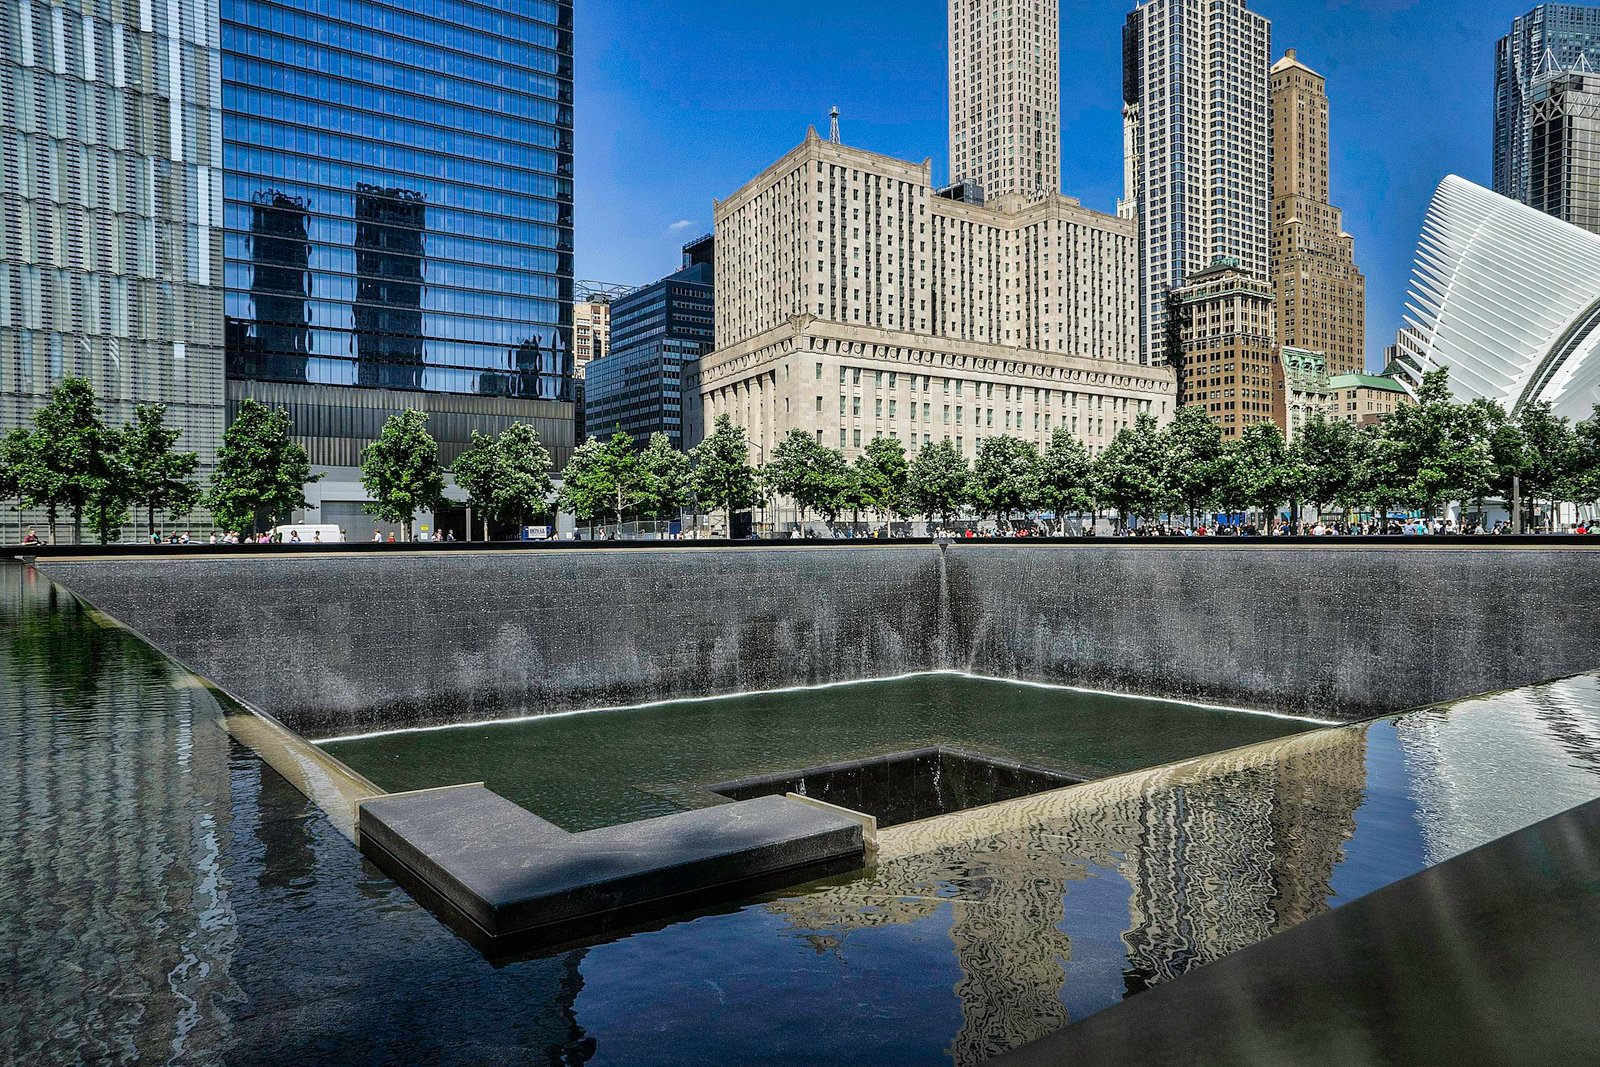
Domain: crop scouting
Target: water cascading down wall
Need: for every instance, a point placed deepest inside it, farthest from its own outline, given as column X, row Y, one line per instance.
column 335, row 644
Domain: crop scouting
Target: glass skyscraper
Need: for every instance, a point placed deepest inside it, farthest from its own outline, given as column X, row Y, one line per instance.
column 1544, row 44
column 110, row 256
column 398, row 210
column 655, row 330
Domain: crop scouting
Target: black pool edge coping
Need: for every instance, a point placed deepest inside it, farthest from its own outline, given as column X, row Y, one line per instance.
column 1486, row 957
column 512, row 883
column 62, row 553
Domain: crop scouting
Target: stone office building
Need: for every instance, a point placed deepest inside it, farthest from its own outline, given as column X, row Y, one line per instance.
column 854, row 301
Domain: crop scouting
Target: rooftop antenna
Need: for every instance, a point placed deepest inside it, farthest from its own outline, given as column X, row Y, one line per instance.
column 833, row 126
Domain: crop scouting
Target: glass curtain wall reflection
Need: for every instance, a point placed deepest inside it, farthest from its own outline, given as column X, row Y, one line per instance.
column 398, row 195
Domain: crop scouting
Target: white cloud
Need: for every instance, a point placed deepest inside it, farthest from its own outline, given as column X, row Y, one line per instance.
column 680, row 226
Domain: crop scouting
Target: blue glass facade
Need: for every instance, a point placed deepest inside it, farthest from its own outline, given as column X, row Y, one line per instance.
column 398, row 194
column 654, row 332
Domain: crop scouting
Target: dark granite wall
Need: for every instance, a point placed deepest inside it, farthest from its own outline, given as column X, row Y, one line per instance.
column 1337, row 632
column 337, row 644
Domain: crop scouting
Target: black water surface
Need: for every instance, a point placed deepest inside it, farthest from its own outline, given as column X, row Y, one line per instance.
column 600, row 768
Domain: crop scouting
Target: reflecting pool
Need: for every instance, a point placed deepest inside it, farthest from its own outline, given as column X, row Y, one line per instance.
column 605, row 767
column 164, row 896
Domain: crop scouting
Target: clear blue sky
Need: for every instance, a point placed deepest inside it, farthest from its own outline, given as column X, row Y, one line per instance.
column 682, row 102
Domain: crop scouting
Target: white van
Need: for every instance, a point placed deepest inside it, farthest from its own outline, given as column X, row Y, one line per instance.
column 308, row 535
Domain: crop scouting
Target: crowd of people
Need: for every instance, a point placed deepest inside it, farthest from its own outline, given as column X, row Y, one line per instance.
column 1410, row 527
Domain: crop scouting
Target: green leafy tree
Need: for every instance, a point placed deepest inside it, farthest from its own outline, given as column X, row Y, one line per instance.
column 663, row 478
column 1328, row 451
column 1063, row 476
column 260, row 469
column 1263, row 470
column 1003, row 477
column 506, row 478
column 880, row 476
column 107, row 509
column 401, row 471
column 1129, row 476
column 478, row 474
column 604, row 478
column 1552, row 451
column 829, row 485
column 619, row 465
column 1193, row 451
column 1584, row 482
column 585, row 489
column 13, row 447
column 72, row 450
column 790, row 471
column 1380, row 481
column 937, row 481
column 1441, row 446
column 27, row 477
column 720, row 472
column 159, row 477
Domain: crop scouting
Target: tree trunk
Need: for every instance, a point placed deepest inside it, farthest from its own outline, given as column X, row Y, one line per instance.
column 150, row 521
column 77, row 524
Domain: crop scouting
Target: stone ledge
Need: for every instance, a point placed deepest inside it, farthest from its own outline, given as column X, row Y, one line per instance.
column 514, row 876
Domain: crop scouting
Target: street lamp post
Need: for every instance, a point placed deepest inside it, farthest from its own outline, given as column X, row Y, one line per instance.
column 770, row 522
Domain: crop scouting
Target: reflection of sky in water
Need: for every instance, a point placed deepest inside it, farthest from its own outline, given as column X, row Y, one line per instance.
column 1497, row 764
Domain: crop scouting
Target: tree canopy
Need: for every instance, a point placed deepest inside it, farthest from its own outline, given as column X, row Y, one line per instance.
column 260, row 469
column 721, row 475
column 1003, row 477
column 937, row 481
column 159, row 477
column 400, row 471
column 506, row 478
column 1130, row 475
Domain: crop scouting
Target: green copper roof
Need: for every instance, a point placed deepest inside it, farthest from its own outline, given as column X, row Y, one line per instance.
column 1364, row 381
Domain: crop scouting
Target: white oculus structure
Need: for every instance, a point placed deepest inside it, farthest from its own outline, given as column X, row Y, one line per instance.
column 1508, row 299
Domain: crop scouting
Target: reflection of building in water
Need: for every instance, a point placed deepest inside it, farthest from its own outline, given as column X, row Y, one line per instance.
column 1460, row 760
column 1218, row 854
column 1230, row 859
column 279, row 340
column 118, row 920
column 388, row 313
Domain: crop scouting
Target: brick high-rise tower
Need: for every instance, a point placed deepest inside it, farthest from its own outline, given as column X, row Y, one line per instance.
column 1322, row 296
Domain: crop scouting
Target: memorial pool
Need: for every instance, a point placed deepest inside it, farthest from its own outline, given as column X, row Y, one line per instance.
column 164, row 895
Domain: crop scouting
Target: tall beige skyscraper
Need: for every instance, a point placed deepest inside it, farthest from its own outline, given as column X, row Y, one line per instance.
column 1322, row 297
column 1005, row 95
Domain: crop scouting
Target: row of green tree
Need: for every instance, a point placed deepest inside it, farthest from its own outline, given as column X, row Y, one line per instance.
column 1420, row 458
column 72, row 463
